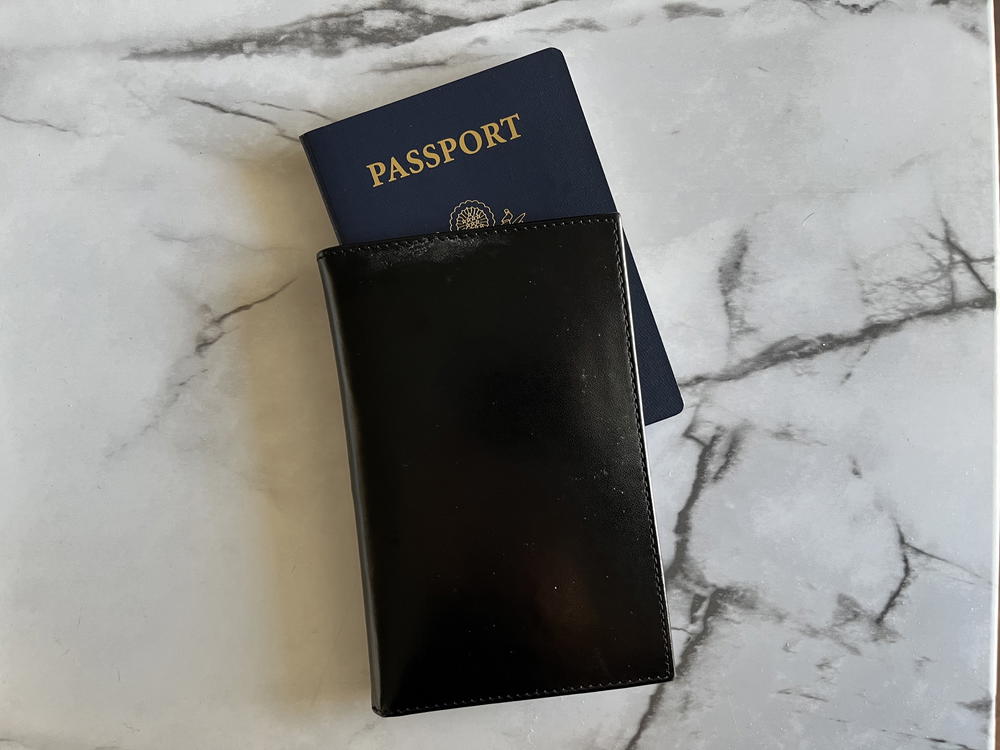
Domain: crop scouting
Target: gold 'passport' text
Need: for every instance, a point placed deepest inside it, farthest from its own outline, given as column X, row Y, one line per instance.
column 433, row 155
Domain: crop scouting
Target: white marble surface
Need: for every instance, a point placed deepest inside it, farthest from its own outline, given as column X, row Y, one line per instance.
column 808, row 187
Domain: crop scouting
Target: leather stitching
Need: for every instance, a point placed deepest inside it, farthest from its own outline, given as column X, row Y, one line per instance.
column 544, row 693
column 653, row 546
column 428, row 238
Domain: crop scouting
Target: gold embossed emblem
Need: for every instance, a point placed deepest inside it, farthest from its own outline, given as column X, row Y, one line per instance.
column 473, row 214
column 509, row 218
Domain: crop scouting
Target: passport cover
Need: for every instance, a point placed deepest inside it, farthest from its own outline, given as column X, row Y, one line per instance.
column 505, row 525
column 507, row 145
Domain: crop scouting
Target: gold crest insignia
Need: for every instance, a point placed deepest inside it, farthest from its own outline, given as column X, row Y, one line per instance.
column 509, row 218
column 471, row 214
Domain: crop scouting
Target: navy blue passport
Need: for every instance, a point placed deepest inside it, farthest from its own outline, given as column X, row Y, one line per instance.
column 506, row 145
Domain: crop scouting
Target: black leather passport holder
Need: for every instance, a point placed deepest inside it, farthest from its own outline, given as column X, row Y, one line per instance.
column 494, row 425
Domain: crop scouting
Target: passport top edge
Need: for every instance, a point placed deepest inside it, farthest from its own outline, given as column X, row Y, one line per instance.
column 549, row 52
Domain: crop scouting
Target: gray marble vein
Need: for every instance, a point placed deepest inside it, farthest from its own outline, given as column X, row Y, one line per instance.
column 684, row 10
column 239, row 113
column 388, row 23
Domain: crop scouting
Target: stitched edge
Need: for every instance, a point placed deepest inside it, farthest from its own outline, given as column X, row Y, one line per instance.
column 483, row 232
column 544, row 693
column 651, row 525
column 640, row 440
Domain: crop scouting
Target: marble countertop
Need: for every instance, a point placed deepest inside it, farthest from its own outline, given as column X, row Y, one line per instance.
column 808, row 187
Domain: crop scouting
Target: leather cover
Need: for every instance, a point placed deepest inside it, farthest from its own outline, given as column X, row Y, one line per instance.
column 505, row 524
column 452, row 160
